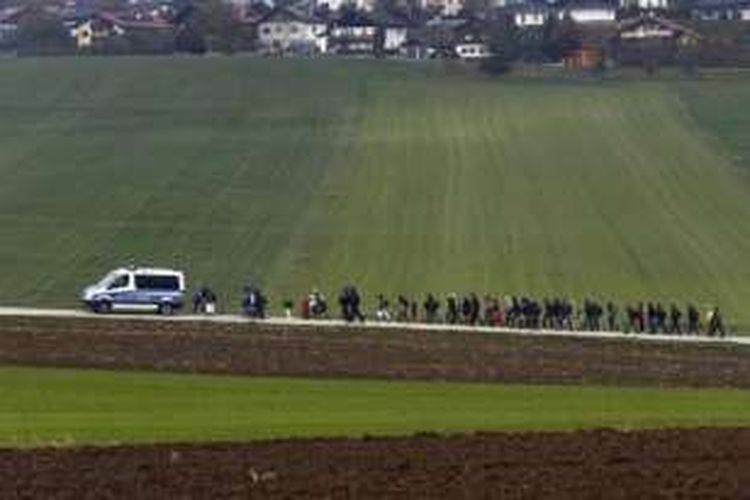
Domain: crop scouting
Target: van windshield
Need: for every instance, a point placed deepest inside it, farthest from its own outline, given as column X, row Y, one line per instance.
column 119, row 281
column 106, row 280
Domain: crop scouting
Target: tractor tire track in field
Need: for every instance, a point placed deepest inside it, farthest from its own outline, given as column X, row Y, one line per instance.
column 233, row 346
column 702, row 463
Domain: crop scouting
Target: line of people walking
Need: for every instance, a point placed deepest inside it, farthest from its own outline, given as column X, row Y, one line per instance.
column 556, row 313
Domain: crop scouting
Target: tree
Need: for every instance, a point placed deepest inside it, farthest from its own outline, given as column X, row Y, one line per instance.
column 190, row 39
column 687, row 56
column 214, row 22
column 503, row 45
column 475, row 8
column 40, row 32
column 559, row 38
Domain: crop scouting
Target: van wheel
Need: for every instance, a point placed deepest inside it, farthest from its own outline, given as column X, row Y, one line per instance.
column 166, row 309
column 103, row 307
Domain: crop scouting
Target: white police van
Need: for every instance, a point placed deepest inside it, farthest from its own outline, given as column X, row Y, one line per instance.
column 137, row 289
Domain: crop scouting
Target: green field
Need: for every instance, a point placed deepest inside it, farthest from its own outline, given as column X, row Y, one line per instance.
column 43, row 406
column 399, row 177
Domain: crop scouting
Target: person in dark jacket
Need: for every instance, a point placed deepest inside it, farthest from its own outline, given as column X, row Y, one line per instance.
column 431, row 308
column 675, row 320
column 254, row 302
column 198, row 301
column 451, row 309
column 715, row 326
column 350, row 302
column 475, row 309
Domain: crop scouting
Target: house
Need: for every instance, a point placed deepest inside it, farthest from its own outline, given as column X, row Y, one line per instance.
column 286, row 30
column 394, row 32
column 353, row 32
column 644, row 4
column 654, row 28
column 472, row 50
column 13, row 15
column 93, row 27
column 650, row 41
column 721, row 10
column 585, row 58
column 587, row 13
column 470, row 40
column 359, row 33
column 339, row 5
column 530, row 15
column 447, row 8
column 9, row 19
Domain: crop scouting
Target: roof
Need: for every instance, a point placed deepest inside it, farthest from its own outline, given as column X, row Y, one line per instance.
column 288, row 14
column 590, row 6
column 446, row 22
column 351, row 17
column 120, row 20
column 632, row 23
column 529, row 8
column 147, row 270
column 12, row 14
column 251, row 14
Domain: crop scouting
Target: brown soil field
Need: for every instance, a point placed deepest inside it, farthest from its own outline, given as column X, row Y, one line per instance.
column 263, row 349
column 703, row 463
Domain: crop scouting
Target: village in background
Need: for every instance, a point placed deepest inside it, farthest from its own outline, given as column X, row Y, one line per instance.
column 578, row 34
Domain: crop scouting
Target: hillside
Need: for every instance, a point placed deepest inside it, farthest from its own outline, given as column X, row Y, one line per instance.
column 402, row 178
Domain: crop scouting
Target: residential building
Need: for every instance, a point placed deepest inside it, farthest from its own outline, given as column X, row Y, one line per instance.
column 285, row 30
column 721, row 10
column 360, row 33
column 644, row 4
column 447, row 8
column 339, row 5
column 353, row 32
column 530, row 15
column 9, row 18
column 592, row 13
column 654, row 28
column 90, row 28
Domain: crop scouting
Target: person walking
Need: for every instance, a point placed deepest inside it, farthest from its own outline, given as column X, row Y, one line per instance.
column 345, row 303
column 675, row 320
column 402, row 309
column 383, row 313
column 356, row 301
column 431, row 308
column 474, row 309
column 451, row 313
column 611, row 317
column 198, row 301
column 715, row 324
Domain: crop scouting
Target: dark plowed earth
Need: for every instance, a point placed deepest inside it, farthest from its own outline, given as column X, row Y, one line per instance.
column 702, row 463
column 262, row 349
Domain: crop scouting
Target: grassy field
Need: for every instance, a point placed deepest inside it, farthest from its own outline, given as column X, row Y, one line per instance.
column 401, row 178
column 43, row 406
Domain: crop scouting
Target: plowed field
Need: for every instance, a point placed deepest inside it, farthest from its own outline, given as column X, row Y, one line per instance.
column 596, row 464
column 260, row 349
